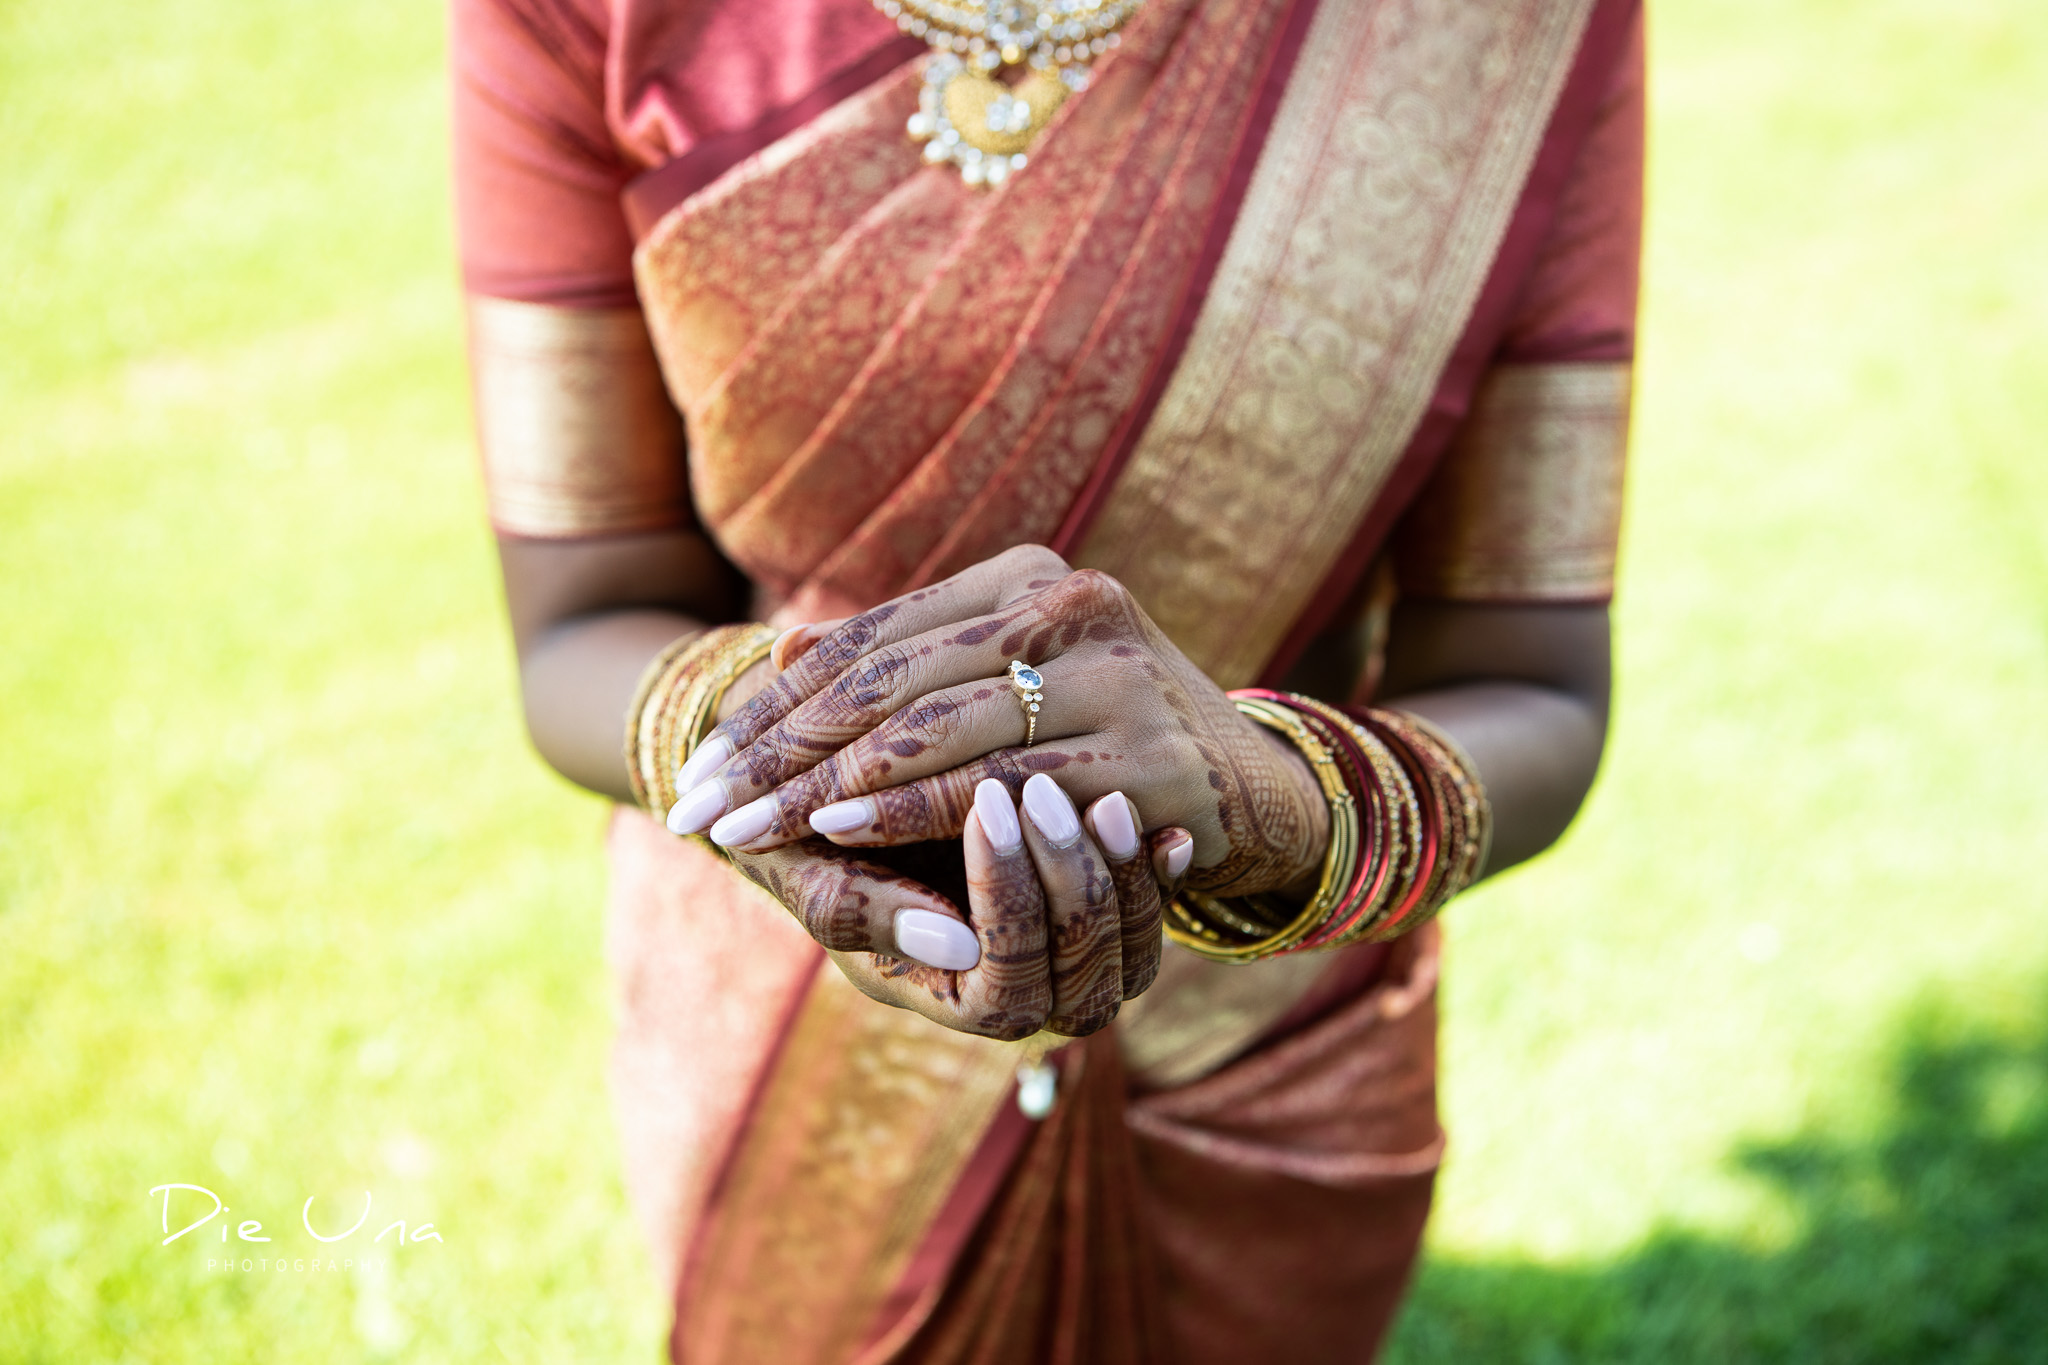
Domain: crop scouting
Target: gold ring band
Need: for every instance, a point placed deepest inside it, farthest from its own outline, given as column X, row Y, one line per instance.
column 1029, row 686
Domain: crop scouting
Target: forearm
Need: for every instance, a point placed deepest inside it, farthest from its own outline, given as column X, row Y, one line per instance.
column 1536, row 750
column 587, row 619
column 1523, row 689
column 577, row 680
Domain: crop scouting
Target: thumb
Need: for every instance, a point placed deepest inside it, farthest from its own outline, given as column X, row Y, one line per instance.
column 1173, row 848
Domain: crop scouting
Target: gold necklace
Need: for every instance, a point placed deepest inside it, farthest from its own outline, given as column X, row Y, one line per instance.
column 965, row 114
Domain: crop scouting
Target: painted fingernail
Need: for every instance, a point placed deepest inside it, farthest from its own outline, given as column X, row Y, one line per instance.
column 695, row 812
column 843, row 817
column 779, row 652
column 1051, row 811
column 935, row 940
column 1178, row 857
column 998, row 816
column 746, row 824
column 703, row 763
column 1115, row 823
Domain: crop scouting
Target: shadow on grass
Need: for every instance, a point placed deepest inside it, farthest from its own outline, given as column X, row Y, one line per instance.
column 1925, row 1242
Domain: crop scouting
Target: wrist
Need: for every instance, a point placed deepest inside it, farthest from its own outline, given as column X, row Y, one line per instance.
column 675, row 704
column 1301, row 869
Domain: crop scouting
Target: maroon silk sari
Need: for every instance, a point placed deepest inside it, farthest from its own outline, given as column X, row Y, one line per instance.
column 1282, row 261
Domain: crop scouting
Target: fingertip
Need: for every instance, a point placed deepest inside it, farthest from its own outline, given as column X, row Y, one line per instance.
column 709, row 755
column 746, row 824
column 785, row 650
column 1113, row 821
column 936, row 940
column 842, row 818
column 998, row 816
column 694, row 813
column 798, row 641
column 1171, row 854
column 1051, row 811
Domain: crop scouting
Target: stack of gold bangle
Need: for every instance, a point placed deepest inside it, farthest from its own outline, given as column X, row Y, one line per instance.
column 1409, row 829
column 677, row 703
column 1466, row 818
column 1242, row 930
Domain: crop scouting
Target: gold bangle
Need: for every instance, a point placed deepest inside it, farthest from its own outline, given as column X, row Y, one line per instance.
column 1388, row 840
column 1467, row 836
column 677, row 701
column 1212, row 927
column 643, row 692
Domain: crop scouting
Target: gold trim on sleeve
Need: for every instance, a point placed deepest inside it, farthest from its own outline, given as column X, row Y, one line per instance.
column 1526, row 506
column 577, row 432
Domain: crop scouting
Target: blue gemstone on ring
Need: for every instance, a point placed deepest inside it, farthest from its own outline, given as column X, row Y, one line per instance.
column 1027, row 677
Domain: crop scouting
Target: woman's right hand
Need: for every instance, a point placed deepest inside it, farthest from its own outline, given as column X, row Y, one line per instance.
column 1063, row 921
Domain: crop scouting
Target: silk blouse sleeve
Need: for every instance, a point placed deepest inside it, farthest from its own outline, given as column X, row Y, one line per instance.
column 576, row 430
column 1526, row 504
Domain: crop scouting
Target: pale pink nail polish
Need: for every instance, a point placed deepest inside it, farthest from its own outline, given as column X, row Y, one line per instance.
column 703, row 763
column 998, row 816
column 1178, row 857
column 778, row 653
column 1115, row 826
column 843, row 817
column 935, row 940
column 695, row 812
column 1051, row 811
column 746, row 824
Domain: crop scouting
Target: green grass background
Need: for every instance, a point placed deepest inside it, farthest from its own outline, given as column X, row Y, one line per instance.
column 1751, row 1068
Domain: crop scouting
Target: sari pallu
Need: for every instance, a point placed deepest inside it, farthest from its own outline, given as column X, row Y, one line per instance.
column 1211, row 341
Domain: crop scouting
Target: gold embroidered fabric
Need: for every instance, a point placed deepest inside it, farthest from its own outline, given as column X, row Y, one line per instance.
column 864, row 1128
column 1199, row 1015
column 1395, row 162
column 1526, row 506
column 577, row 432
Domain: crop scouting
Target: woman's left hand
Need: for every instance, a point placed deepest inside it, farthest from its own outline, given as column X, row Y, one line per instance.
column 881, row 726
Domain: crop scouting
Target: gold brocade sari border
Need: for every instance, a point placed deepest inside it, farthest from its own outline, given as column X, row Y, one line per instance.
column 1346, row 284
column 858, row 1138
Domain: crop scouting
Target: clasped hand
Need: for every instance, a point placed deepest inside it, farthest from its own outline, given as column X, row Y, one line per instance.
column 899, row 726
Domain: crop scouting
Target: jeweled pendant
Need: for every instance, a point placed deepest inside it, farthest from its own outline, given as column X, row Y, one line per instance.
column 980, row 124
column 967, row 115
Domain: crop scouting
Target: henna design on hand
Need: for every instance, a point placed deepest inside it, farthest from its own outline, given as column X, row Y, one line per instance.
column 898, row 707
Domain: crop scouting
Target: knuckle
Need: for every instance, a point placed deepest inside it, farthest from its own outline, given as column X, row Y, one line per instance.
column 837, row 913
column 871, row 679
column 1093, row 1018
column 849, row 640
column 1005, row 766
column 771, row 757
column 932, row 808
column 1007, row 1026
column 935, row 719
column 760, row 712
column 804, row 793
column 1033, row 559
column 1099, row 590
column 906, row 810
